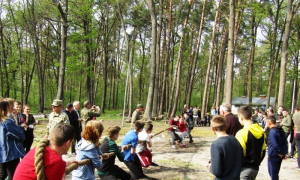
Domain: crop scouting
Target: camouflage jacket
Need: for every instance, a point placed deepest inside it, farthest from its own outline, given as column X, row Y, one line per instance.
column 87, row 115
column 55, row 118
column 135, row 116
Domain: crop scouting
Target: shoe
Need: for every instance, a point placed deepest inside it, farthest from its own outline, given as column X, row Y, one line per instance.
column 145, row 177
column 184, row 146
column 191, row 141
column 153, row 164
column 66, row 155
column 74, row 153
column 174, row 147
column 181, row 145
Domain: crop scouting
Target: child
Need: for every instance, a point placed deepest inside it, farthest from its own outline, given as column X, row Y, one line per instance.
column 89, row 148
column 130, row 159
column 110, row 171
column 226, row 152
column 182, row 131
column 143, row 153
column 252, row 139
column 171, row 131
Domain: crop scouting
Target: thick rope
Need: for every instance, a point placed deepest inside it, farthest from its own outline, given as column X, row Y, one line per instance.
column 39, row 159
column 74, row 165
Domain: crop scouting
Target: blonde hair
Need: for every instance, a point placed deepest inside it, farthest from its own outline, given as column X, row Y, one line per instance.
column 92, row 132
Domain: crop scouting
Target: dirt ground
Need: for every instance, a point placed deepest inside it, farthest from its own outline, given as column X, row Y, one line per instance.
column 190, row 162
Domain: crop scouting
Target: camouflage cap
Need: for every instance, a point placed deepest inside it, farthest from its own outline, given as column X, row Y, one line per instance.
column 57, row 102
column 139, row 106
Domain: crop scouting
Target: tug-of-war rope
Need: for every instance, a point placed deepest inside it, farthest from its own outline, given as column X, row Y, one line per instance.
column 39, row 158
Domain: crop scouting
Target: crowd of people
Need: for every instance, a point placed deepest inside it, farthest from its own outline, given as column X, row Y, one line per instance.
column 237, row 153
column 242, row 141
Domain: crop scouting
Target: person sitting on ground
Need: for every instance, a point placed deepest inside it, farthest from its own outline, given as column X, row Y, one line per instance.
column 109, row 170
column 252, row 140
column 144, row 154
column 182, row 131
column 277, row 147
column 28, row 123
column 89, row 148
column 226, row 152
column 131, row 160
column 190, row 125
column 11, row 147
column 61, row 138
column 171, row 131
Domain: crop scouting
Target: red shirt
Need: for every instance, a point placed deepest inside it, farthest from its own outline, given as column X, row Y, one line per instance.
column 172, row 122
column 54, row 166
column 181, row 126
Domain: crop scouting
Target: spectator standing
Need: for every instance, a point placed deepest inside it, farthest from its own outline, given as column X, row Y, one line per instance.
column 87, row 113
column 252, row 140
column 232, row 122
column 190, row 126
column 277, row 147
column 286, row 122
column 76, row 123
column 136, row 115
column 28, row 123
column 207, row 119
column 11, row 139
column 223, row 151
column 296, row 118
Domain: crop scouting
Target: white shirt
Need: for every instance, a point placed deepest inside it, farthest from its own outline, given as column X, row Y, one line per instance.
column 144, row 137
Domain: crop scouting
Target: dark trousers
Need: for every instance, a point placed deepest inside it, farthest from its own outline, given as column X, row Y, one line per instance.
column 189, row 133
column 7, row 170
column 76, row 138
column 115, row 174
column 297, row 140
column 135, row 168
column 274, row 164
column 28, row 140
column 293, row 148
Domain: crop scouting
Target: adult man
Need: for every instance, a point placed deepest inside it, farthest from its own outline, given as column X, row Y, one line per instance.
column 252, row 140
column 61, row 138
column 190, row 125
column 68, row 110
column 279, row 115
column 56, row 116
column 136, row 115
column 173, row 124
column 87, row 113
column 144, row 154
column 76, row 123
column 277, row 147
column 296, row 119
column 207, row 119
column 196, row 117
column 286, row 122
column 255, row 116
column 108, row 170
column 232, row 122
column 130, row 159
column 223, row 151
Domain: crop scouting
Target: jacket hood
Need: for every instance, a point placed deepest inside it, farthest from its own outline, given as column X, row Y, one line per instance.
column 278, row 129
column 85, row 145
column 256, row 130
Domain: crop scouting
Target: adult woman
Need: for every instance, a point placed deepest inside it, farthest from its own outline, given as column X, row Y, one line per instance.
column 28, row 123
column 11, row 138
column 89, row 148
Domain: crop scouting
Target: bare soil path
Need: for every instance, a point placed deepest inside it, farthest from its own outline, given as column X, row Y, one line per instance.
column 190, row 162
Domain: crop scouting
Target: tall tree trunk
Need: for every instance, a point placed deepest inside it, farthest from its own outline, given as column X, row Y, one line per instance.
column 220, row 65
column 167, row 60
column 180, row 59
column 148, row 112
column 63, row 48
column 208, row 72
column 230, row 56
column 284, row 51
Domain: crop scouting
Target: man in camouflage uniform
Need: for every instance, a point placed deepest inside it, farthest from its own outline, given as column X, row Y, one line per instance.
column 56, row 116
column 87, row 113
column 136, row 115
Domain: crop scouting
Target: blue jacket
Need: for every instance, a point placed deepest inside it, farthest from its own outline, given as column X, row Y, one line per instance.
column 277, row 143
column 87, row 150
column 11, row 138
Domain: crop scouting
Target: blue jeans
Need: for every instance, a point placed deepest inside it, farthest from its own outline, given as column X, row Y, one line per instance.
column 297, row 140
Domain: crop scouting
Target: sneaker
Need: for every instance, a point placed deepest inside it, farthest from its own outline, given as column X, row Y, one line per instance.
column 181, row 145
column 174, row 147
column 184, row 146
column 66, row 155
column 74, row 153
column 153, row 164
